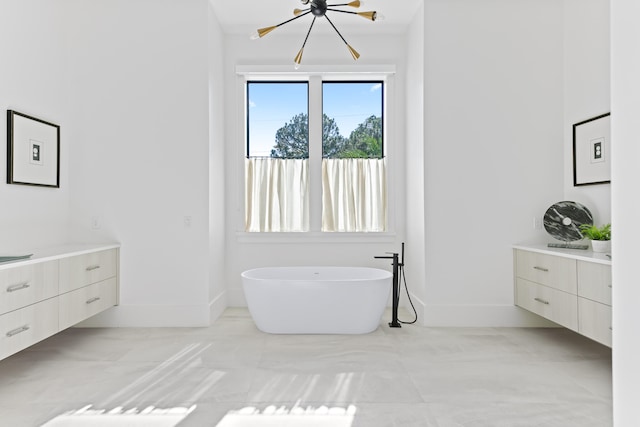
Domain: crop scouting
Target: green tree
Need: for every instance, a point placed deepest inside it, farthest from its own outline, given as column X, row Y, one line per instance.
column 332, row 142
column 365, row 140
column 292, row 140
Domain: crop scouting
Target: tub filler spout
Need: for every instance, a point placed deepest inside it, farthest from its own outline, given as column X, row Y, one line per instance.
column 397, row 264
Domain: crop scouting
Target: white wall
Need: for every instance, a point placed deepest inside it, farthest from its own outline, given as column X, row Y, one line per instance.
column 415, row 163
column 32, row 82
column 138, row 117
column 217, row 252
column 493, row 149
column 279, row 48
column 587, row 91
column 625, row 106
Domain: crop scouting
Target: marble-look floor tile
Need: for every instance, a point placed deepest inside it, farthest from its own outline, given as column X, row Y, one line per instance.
column 501, row 414
column 340, row 388
column 412, row 376
column 394, row 415
column 488, row 382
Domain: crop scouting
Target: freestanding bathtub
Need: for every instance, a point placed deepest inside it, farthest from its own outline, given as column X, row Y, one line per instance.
column 317, row 300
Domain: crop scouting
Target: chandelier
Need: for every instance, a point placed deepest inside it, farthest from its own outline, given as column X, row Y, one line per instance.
column 319, row 9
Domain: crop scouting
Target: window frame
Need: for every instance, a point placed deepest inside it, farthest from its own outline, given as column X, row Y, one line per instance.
column 248, row 115
column 382, row 106
column 317, row 74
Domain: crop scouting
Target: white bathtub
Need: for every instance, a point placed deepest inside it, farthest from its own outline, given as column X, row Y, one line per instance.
column 317, row 300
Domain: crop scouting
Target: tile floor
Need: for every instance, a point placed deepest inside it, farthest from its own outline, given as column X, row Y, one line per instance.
column 230, row 374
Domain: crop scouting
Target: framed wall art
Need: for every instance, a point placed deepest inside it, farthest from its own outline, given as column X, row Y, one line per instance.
column 33, row 151
column 592, row 151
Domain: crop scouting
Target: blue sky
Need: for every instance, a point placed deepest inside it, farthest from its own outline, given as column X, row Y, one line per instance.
column 272, row 105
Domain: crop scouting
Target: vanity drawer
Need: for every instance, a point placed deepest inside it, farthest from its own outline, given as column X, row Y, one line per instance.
column 595, row 320
column 556, row 272
column 82, row 270
column 594, row 281
column 21, row 328
column 78, row 305
column 558, row 306
column 22, row 286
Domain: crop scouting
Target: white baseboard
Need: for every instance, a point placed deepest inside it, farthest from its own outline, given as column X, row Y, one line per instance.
column 418, row 304
column 151, row 316
column 206, row 314
column 509, row 316
column 235, row 298
column 217, row 307
column 482, row 316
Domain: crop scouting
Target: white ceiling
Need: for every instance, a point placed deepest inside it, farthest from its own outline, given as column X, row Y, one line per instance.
column 245, row 16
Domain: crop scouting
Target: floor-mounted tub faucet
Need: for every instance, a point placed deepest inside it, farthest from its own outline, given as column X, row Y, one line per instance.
column 395, row 323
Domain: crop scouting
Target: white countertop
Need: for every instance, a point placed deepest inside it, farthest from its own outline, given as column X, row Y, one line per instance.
column 56, row 252
column 580, row 254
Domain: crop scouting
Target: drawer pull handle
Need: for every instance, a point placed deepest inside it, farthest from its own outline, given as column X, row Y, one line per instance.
column 542, row 301
column 541, row 268
column 92, row 300
column 17, row 287
column 92, row 267
column 17, row 331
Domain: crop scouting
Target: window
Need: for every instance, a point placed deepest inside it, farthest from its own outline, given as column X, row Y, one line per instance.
column 333, row 127
column 353, row 165
column 277, row 165
column 277, row 120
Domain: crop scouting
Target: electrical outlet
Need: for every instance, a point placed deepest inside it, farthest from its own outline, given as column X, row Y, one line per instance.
column 187, row 221
column 95, row 223
column 537, row 223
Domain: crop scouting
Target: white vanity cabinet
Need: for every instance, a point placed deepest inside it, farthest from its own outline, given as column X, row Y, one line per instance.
column 567, row 286
column 594, row 301
column 54, row 289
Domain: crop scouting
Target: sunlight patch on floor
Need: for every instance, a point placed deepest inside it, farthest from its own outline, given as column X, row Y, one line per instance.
column 297, row 416
column 148, row 417
column 159, row 385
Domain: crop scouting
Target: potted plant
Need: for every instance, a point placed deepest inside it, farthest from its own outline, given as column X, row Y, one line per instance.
column 600, row 236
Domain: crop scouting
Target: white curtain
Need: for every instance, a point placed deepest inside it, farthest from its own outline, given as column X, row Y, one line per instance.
column 354, row 195
column 276, row 194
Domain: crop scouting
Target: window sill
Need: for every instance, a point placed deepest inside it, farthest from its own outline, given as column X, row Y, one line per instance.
column 315, row 237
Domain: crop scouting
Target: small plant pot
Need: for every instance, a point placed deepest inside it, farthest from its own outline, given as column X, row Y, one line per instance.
column 601, row 245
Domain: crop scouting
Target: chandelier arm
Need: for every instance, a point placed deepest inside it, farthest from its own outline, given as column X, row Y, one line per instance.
column 309, row 32
column 334, row 27
column 352, row 51
column 371, row 15
column 294, row 18
column 298, row 58
column 342, row 11
column 352, row 4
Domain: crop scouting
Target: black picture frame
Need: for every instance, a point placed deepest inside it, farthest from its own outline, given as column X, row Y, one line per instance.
column 33, row 151
column 592, row 151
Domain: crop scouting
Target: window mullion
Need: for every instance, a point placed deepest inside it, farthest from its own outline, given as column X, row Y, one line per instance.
column 315, row 152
